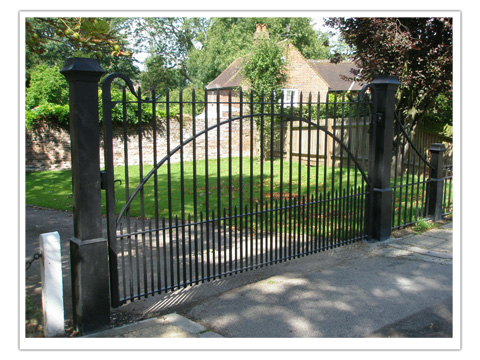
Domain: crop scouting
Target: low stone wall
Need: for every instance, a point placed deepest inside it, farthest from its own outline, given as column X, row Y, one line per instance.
column 48, row 147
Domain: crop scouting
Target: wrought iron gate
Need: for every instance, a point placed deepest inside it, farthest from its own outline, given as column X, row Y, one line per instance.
column 225, row 185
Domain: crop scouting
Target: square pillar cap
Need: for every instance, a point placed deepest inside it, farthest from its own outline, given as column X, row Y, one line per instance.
column 83, row 69
column 438, row 147
column 385, row 80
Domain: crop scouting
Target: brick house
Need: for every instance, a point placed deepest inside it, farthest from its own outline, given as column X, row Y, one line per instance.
column 315, row 76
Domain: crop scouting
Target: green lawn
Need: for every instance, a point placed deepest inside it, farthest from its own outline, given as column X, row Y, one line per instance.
column 52, row 189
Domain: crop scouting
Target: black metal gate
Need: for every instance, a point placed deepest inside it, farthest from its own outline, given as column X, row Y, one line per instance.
column 224, row 185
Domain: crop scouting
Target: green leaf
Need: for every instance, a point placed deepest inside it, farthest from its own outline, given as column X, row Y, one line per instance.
column 102, row 26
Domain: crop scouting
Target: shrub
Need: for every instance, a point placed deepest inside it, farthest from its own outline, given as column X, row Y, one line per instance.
column 47, row 86
column 53, row 113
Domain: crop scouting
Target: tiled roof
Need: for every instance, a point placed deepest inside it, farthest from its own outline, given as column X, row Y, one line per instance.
column 331, row 73
column 230, row 77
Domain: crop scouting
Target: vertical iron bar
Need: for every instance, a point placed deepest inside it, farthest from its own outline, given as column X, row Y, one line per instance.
column 142, row 191
column 127, row 177
column 152, row 272
column 137, row 262
column 317, row 169
column 182, row 188
column 130, row 258
column 341, row 188
column 290, row 181
column 252, row 111
column 169, row 190
column 325, row 170
column 309, row 141
column 219, row 198
column 207, row 190
column 155, row 185
column 296, row 226
column 334, row 158
column 202, row 257
column 230, row 193
column 272, row 157
column 225, row 241
column 177, row 253
column 407, row 182
column 124, row 279
column 236, row 241
column 165, row 249
column 394, row 187
column 282, row 145
column 256, row 235
column 300, row 131
column 190, row 267
column 213, row 244
column 240, row 178
column 349, row 164
column 195, row 194
column 262, row 154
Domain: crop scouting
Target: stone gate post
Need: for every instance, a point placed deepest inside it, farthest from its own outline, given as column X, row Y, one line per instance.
column 88, row 247
column 379, row 202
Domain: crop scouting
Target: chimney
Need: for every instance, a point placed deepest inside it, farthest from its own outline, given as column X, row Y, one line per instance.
column 261, row 32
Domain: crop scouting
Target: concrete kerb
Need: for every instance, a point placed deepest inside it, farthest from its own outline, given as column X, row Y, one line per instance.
column 168, row 326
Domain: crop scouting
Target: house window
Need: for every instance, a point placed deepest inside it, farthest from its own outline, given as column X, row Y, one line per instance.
column 290, row 95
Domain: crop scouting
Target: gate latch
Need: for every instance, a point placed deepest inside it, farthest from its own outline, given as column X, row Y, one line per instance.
column 378, row 118
column 103, row 180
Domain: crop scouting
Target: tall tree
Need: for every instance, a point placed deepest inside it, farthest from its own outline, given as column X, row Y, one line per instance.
column 265, row 69
column 419, row 51
column 170, row 39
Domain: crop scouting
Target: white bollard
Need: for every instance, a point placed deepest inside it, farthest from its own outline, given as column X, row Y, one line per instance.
column 52, row 284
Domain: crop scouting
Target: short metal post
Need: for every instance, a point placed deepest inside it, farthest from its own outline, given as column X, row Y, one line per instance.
column 435, row 182
column 88, row 248
column 379, row 203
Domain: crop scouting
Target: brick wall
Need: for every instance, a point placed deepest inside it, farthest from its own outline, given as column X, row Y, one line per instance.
column 303, row 77
column 48, row 148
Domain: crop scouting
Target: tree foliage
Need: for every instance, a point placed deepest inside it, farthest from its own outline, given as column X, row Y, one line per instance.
column 265, row 70
column 47, row 85
column 265, row 67
column 160, row 76
column 83, row 35
column 169, row 39
column 419, row 51
column 51, row 41
column 184, row 52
